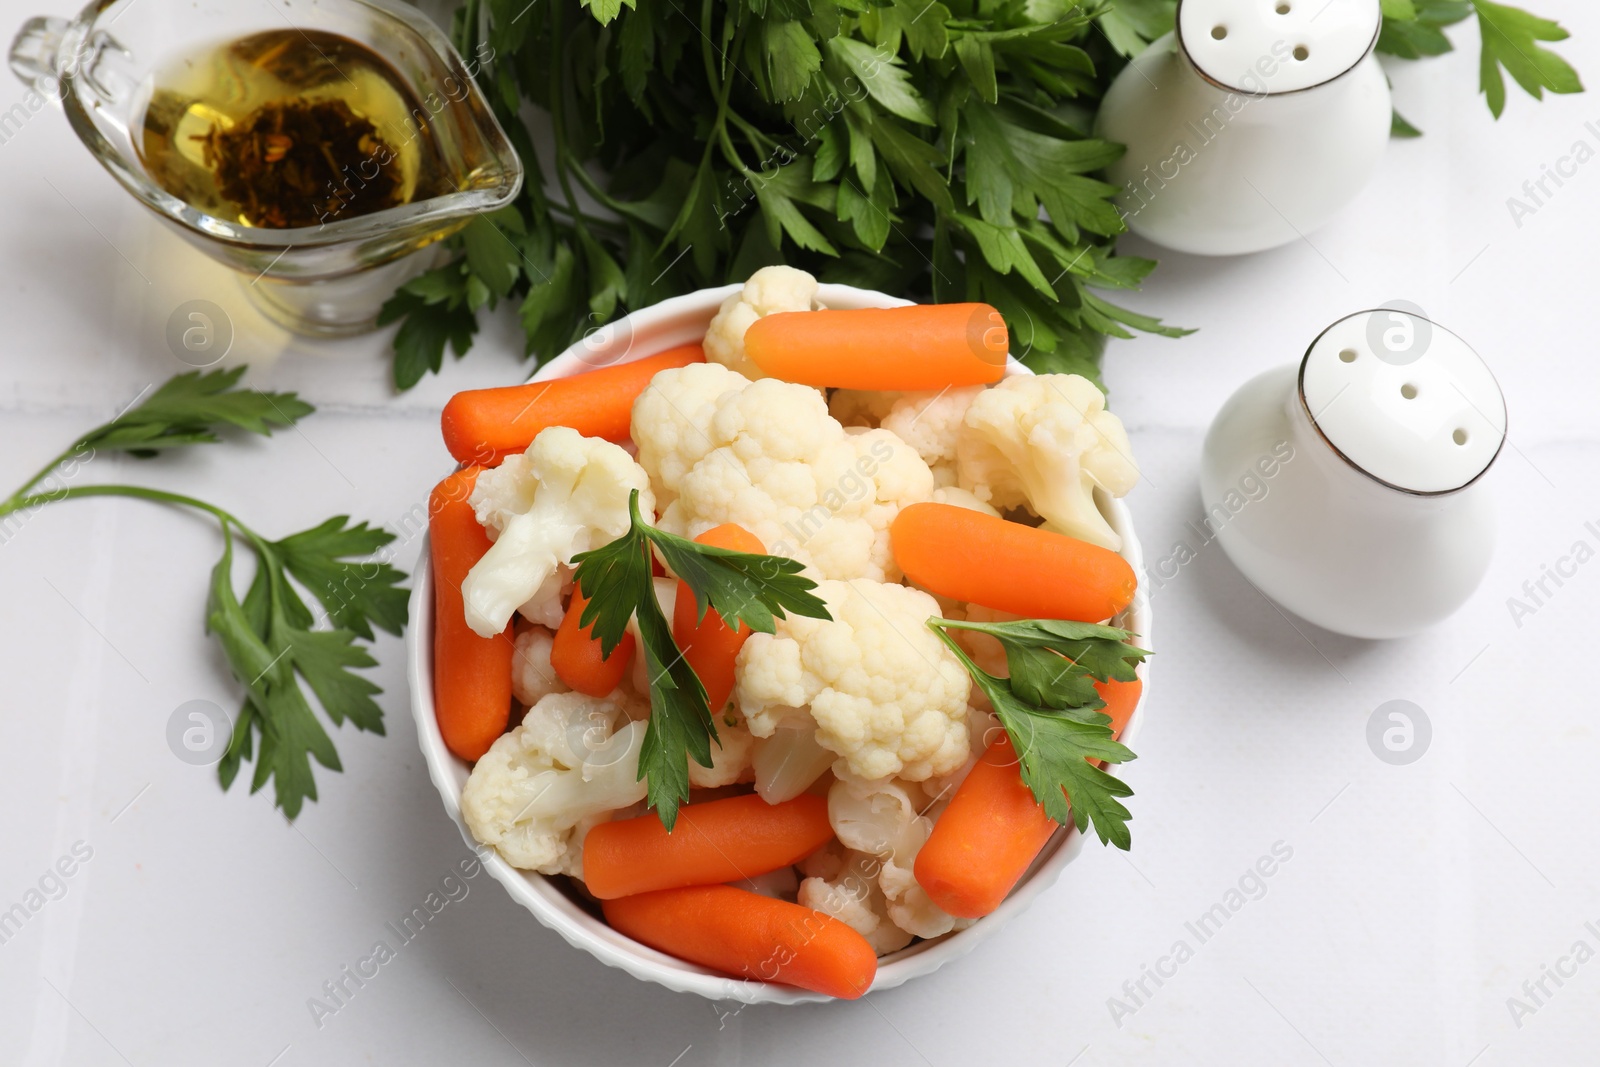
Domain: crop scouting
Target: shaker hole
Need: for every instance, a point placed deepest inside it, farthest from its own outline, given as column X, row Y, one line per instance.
column 1301, row 52
column 1283, row 9
column 1459, row 437
column 1408, row 391
column 1219, row 32
column 1348, row 355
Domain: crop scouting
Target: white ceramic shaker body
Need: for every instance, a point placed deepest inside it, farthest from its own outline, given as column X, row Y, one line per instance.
column 1250, row 125
column 1349, row 490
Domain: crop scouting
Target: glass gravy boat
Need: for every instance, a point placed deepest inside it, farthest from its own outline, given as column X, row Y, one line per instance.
column 329, row 279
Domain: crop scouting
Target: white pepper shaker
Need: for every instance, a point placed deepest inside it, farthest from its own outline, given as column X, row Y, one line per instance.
column 1350, row 490
column 1250, row 125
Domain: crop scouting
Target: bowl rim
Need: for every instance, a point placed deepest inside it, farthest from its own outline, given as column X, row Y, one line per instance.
column 675, row 321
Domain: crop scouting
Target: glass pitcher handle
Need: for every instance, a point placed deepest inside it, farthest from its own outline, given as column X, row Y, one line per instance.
column 36, row 53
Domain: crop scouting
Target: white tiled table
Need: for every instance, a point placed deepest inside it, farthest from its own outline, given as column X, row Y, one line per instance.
column 1416, row 901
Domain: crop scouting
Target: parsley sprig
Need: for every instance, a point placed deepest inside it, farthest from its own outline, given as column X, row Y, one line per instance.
column 1049, row 708
column 271, row 639
column 744, row 588
column 1510, row 36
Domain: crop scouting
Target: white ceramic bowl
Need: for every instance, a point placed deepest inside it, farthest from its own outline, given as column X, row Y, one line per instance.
column 653, row 329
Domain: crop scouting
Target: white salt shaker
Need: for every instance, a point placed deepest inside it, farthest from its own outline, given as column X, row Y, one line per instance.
column 1250, row 125
column 1349, row 489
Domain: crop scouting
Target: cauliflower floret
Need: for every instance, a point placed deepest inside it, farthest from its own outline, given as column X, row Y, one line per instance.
column 571, row 763
column 962, row 498
column 532, row 677
column 886, row 695
column 1047, row 442
column 769, row 290
column 789, row 760
column 826, row 862
column 930, row 422
column 546, row 606
column 666, row 590
column 881, row 819
column 862, row 407
column 768, row 456
column 730, row 757
column 670, row 419
column 852, row 895
column 566, row 494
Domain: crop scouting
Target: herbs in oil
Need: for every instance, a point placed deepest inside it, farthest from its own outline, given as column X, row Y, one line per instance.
column 292, row 128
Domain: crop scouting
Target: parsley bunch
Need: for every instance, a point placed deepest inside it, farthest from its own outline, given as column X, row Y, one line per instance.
column 901, row 145
column 271, row 639
column 1050, row 709
column 744, row 589
column 906, row 146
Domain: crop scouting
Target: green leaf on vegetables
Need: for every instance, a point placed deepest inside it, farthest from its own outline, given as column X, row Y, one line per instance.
column 1055, row 746
column 743, row 587
column 1055, row 662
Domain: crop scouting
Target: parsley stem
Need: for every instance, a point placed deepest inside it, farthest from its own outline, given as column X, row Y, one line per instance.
column 139, row 492
column 14, row 501
column 594, row 189
column 720, row 90
column 558, row 121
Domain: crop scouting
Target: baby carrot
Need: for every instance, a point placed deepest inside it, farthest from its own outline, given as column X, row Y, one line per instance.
column 484, row 426
column 988, row 836
column 921, row 346
column 750, row 936
column 708, row 645
column 1035, row 573
column 985, row 839
column 575, row 654
column 471, row 674
column 713, row 842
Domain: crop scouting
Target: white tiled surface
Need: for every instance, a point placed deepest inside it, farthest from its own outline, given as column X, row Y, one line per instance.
column 1417, row 899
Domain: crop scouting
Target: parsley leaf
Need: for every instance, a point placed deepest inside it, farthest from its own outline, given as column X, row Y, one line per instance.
column 1510, row 41
column 1131, row 24
column 1055, row 747
column 272, row 646
column 1054, row 663
column 357, row 595
column 1510, row 37
column 433, row 310
column 1399, row 127
column 189, row 409
column 743, row 587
